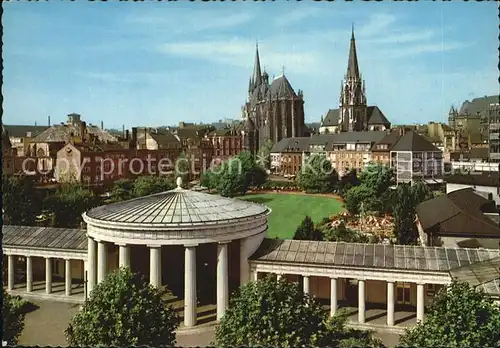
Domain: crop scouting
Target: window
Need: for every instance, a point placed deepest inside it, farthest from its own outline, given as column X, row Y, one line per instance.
column 403, row 293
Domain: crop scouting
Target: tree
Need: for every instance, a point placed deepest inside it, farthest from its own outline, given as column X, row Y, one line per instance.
column 121, row 190
column 355, row 196
column 68, row 204
column 348, row 180
column 378, row 178
column 406, row 199
column 318, row 175
column 405, row 229
column 21, row 203
column 307, row 231
column 264, row 154
column 148, row 184
column 265, row 312
column 459, row 316
column 124, row 310
column 232, row 181
column 13, row 318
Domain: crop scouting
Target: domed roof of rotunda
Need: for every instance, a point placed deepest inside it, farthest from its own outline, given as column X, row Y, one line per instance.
column 177, row 207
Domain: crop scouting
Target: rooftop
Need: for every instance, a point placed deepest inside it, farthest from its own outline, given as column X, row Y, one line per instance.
column 44, row 237
column 178, row 206
column 370, row 255
column 460, row 212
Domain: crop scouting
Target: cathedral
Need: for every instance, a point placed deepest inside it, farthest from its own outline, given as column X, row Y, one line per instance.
column 273, row 110
column 353, row 113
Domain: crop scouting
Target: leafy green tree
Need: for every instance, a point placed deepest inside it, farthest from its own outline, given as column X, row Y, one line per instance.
column 68, row 204
column 232, row 181
column 348, row 180
column 124, row 310
column 268, row 312
column 264, row 154
column 149, row 184
column 317, row 175
column 459, row 316
column 13, row 318
column 343, row 234
column 357, row 195
column 378, row 178
column 121, row 190
column 307, row 231
column 406, row 199
column 405, row 228
column 21, row 203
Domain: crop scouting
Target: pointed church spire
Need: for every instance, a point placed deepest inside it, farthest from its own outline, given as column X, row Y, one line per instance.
column 352, row 65
column 257, row 75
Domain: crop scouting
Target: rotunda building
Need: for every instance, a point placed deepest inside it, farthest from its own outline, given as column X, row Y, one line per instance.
column 183, row 239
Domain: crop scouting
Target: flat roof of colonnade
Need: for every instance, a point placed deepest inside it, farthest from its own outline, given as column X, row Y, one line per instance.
column 300, row 253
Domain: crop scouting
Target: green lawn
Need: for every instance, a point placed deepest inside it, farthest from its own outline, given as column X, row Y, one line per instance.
column 288, row 210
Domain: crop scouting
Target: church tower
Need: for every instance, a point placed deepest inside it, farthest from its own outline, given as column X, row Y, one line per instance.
column 352, row 103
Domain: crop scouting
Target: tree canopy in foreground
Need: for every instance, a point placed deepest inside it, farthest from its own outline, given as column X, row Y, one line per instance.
column 458, row 317
column 270, row 313
column 124, row 310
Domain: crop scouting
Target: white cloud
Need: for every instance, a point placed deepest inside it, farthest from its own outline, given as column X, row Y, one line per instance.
column 240, row 53
column 377, row 24
column 195, row 21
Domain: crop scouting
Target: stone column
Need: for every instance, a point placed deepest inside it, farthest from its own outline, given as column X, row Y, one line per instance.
column 155, row 266
column 10, row 270
column 85, row 279
column 91, row 264
column 190, row 286
column 361, row 301
column 29, row 274
column 306, row 284
column 279, row 276
column 244, row 267
column 102, row 261
column 420, row 302
column 333, row 296
column 67, row 276
column 390, row 303
column 255, row 275
column 124, row 255
column 48, row 275
column 222, row 279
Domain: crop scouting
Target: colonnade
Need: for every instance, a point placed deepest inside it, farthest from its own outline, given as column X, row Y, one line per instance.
column 361, row 297
column 48, row 274
column 97, row 269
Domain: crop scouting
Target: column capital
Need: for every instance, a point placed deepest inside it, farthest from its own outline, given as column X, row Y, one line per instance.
column 48, row 258
column 194, row 245
column 123, row 244
column 225, row 242
column 152, row 246
column 334, row 278
column 390, row 281
column 67, row 259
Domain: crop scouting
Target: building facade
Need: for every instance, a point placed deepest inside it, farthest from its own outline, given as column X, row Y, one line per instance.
column 273, row 111
column 416, row 159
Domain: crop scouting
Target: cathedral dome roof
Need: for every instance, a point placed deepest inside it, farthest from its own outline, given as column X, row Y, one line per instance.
column 282, row 88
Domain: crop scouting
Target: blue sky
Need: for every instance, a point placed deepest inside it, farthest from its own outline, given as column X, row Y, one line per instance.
column 156, row 63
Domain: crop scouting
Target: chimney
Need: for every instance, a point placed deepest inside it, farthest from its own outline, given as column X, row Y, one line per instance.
column 127, row 135
column 49, row 121
column 102, row 125
column 134, row 137
column 123, row 130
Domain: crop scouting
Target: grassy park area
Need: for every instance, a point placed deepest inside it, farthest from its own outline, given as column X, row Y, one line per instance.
column 288, row 210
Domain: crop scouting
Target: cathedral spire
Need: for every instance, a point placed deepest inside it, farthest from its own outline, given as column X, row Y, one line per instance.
column 352, row 65
column 257, row 75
